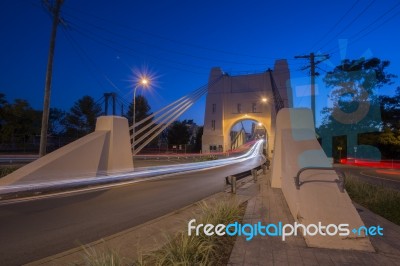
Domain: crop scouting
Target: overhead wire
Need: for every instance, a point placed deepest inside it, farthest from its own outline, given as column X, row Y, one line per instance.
column 336, row 24
column 369, row 28
column 82, row 55
column 349, row 24
column 147, row 44
column 105, row 42
column 167, row 38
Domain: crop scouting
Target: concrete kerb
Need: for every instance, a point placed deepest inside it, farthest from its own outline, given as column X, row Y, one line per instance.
column 144, row 238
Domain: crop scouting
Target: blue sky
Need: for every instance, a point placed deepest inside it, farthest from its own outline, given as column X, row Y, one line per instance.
column 103, row 43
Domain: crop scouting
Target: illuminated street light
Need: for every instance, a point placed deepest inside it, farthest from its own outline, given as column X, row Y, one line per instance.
column 264, row 99
column 145, row 83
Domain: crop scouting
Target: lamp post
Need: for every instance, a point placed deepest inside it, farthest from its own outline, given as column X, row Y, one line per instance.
column 144, row 82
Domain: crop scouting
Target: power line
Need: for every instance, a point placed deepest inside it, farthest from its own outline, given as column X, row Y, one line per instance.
column 84, row 57
column 369, row 26
column 146, row 44
column 349, row 24
column 169, row 39
column 104, row 41
column 335, row 25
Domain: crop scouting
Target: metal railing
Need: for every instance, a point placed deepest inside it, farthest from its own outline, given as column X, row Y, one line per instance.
column 340, row 182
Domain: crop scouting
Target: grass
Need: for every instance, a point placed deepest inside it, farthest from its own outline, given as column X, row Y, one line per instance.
column 379, row 199
column 8, row 169
column 188, row 250
column 107, row 257
column 182, row 249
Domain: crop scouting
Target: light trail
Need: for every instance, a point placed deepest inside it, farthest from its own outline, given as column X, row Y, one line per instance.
column 138, row 175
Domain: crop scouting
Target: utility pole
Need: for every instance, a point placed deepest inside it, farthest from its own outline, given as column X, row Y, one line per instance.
column 47, row 90
column 312, row 65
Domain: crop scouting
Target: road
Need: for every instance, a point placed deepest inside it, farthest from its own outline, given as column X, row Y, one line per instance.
column 386, row 177
column 33, row 229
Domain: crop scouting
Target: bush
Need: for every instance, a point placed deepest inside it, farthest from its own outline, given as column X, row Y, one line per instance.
column 107, row 257
column 379, row 199
column 6, row 170
column 199, row 250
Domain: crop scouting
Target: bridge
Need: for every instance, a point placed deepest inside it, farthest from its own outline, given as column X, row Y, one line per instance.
column 94, row 178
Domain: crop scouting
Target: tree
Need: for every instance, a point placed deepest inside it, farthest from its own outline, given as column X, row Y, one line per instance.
column 81, row 119
column 3, row 102
column 369, row 74
column 355, row 109
column 198, row 141
column 56, row 121
column 390, row 110
column 178, row 133
column 19, row 121
column 142, row 109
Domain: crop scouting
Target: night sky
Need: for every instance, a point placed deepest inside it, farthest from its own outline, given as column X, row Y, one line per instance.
column 102, row 44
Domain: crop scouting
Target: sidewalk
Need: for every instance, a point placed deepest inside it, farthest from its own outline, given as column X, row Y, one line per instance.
column 269, row 206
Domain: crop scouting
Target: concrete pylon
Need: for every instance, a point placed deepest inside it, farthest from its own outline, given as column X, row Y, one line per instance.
column 318, row 199
column 105, row 151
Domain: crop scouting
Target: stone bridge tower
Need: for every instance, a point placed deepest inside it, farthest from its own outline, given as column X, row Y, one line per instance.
column 244, row 97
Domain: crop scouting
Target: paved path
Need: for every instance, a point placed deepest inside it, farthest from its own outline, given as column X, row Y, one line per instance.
column 269, row 206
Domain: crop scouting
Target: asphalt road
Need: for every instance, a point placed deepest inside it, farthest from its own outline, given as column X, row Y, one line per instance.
column 384, row 177
column 31, row 230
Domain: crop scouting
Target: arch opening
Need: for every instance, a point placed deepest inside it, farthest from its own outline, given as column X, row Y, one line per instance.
column 246, row 131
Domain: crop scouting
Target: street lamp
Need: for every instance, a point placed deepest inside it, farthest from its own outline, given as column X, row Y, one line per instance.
column 145, row 83
column 264, row 99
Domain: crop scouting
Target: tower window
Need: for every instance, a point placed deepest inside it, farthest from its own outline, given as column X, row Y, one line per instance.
column 254, row 107
column 239, row 108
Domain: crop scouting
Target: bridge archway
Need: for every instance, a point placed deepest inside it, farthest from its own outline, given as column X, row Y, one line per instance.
column 234, row 98
column 247, row 130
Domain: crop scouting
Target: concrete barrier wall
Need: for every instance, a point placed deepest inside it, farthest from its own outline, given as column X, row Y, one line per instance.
column 319, row 199
column 107, row 150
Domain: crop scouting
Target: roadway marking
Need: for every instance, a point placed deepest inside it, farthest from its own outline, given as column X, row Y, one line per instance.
column 378, row 177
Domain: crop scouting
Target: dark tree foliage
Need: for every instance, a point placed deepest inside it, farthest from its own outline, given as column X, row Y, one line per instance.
column 198, row 141
column 142, row 109
column 3, row 102
column 178, row 133
column 56, row 122
column 18, row 121
column 81, row 119
column 390, row 110
column 356, row 109
column 369, row 74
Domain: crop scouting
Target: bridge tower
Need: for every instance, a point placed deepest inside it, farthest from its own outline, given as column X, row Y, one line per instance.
column 255, row 97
